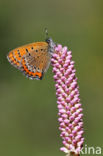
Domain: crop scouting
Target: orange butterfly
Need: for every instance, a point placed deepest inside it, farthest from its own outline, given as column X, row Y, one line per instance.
column 33, row 59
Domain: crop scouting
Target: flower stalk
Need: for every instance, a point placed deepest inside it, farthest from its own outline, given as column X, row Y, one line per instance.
column 69, row 106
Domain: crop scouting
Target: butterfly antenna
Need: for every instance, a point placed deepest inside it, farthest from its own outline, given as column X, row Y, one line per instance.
column 46, row 33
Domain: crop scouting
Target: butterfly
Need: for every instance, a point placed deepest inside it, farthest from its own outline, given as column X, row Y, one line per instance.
column 32, row 59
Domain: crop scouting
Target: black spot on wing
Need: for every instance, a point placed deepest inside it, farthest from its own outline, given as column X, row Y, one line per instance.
column 32, row 48
column 36, row 50
column 26, row 50
column 18, row 53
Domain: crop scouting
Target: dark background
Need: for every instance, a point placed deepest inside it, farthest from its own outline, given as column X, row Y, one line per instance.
column 28, row 109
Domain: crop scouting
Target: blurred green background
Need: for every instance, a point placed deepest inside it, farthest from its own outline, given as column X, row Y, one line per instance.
column 28, row 109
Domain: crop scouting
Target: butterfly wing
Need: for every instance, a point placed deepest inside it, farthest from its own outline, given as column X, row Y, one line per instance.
column 32, row 59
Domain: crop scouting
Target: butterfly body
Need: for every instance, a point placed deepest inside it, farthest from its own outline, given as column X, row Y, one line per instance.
column 32, row 59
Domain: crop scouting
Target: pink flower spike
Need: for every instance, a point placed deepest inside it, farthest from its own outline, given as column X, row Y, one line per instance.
column 69, row 106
